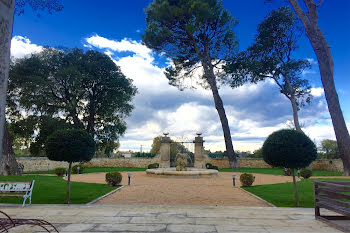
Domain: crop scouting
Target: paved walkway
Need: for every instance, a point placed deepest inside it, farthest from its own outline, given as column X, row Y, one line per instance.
column 158, row 190
column 144, row 218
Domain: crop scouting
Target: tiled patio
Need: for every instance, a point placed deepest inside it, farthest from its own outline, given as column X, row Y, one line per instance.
column 151, row 218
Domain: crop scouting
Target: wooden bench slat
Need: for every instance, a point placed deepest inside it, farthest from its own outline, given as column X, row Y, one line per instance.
column 335, row 187
column 9, row 195
column 338, row 209
column 332, row 201
column 331, row 193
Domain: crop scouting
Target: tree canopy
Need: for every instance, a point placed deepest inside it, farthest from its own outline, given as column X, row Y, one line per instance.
column 272, row 56
column 87, row 90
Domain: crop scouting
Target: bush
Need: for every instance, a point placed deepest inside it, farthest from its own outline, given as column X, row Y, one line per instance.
column 247, row 179
column 75, row 169
column 215, row 167
column 289, row 148
column 306, row 173
column 153, row 166
column 114, row 178
column 60, row 171
column 208, row 165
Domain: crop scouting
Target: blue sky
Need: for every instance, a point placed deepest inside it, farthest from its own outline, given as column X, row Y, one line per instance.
column 116, row 27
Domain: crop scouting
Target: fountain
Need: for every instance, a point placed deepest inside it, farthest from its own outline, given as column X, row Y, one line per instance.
column 181, row 169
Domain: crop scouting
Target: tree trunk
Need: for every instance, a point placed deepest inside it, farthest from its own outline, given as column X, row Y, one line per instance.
column 294, row 104
column 8, row 163
column 6, row 20
column 295, row 189
column 224, row 122
column 68, row 183
column 325, row 63
column 91, row 120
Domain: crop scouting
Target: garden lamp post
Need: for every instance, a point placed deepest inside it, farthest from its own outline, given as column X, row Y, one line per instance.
column 129, row 177
column 234, row 180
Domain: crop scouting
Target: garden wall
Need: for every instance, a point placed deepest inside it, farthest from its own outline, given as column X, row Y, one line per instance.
column 319, row 164
column 42, row 164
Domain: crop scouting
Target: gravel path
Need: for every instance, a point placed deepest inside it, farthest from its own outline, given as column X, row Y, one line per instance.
column 214, row 191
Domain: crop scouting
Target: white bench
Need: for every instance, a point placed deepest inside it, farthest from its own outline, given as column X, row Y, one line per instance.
column 17, row 189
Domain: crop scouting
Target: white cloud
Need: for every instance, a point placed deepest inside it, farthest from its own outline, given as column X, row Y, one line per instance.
column 22, row 46
column 253, row 110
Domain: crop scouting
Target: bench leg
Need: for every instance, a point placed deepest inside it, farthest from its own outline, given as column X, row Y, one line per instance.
column 24, row 201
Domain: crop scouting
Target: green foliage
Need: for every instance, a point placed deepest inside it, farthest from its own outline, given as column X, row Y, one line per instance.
column 72, row 83
column 215, row 167
column 329, row 149
column 70, row 145
column 217, row 154
column 114, row 178
column 271, row 56
column 208, row 165
column 306, row 173
column 61, row 171
column 75, row 169
column 153, row 166
column 289, row 148
column 38, row 5
column 246, row 179
column 189, row 32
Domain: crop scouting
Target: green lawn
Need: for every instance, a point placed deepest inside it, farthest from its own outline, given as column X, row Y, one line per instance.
column 278, row 171
column 282, row 195
column 95, row 170
column 52, row 190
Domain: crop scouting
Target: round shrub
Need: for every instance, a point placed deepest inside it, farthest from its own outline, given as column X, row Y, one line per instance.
column 114, row 178
column 70, row 145
column 247, row 179
column 75, row 169
column 306, row 173
column 60, row 171
column 153, row 166
column 208, row 165
column 215, row 167
column 289, row 148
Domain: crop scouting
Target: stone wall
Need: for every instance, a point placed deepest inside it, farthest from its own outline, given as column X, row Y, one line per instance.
column 320, row 164
column 42, row 164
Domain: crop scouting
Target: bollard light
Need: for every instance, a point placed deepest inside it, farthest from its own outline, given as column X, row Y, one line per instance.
column 234, row 180
column 78, row 168
column 129, row 177
column 298, row 173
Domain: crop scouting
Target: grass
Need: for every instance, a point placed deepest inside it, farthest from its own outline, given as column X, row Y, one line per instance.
column 52, row 190
column 95, row 170
column 282, row 195
column 278, row 171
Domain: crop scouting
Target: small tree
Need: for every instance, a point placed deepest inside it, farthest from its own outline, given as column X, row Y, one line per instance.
column 291, row 149
column 70, row 145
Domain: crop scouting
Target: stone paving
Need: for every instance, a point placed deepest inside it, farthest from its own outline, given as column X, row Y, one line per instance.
column 152, row 218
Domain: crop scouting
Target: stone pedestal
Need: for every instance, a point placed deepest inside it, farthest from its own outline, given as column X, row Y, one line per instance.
column 199, row 158
column 164, row 151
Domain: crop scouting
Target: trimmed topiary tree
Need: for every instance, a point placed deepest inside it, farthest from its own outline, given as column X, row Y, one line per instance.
column 70, row 145
column 291, row 149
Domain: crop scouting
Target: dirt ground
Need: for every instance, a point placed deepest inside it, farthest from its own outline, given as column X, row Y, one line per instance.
column 154, row 190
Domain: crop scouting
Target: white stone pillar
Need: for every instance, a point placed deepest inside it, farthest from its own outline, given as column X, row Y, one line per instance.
column 199, row 158
column 164, row 151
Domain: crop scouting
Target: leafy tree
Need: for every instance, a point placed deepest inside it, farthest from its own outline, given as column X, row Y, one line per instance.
column 271, row 56
column 7, row 9
column 323, row 53
column 290, row 149
column 70, row 145
column 194, row 34
column 87, row 89
column 256, row 154
column 330, row 149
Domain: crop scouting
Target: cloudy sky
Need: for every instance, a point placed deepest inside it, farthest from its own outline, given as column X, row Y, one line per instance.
column 253, row 110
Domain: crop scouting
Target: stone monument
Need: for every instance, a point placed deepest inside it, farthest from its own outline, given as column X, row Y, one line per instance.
column 164, row 151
